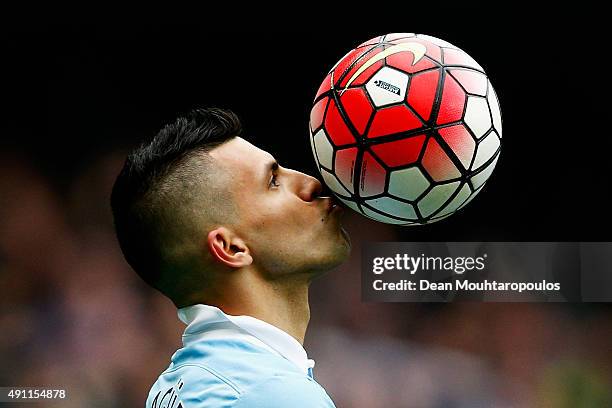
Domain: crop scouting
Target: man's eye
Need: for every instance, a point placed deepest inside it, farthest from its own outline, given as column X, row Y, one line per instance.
column 273, row 181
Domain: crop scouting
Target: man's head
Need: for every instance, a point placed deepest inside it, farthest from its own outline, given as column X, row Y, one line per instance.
column 199, row 203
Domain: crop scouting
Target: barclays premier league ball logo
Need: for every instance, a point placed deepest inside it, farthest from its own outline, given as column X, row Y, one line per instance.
column 406, row 129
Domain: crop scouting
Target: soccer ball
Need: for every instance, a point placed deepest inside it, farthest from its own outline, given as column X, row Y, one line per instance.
column 406, row 129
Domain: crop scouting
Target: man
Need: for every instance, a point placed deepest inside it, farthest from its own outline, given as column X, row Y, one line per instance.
column 234, row 240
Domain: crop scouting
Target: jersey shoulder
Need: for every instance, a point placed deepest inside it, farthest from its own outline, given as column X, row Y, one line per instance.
column 284, row 391
column 223, row 373
column 190, row 385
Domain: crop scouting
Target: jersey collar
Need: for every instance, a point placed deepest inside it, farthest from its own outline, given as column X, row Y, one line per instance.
column 206, row 321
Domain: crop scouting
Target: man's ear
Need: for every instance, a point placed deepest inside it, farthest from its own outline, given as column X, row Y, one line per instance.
column 228, row 249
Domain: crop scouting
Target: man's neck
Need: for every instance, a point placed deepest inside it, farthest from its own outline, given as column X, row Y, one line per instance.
column 282, row 303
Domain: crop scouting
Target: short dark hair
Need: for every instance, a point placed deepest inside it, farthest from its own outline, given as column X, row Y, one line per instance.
column 139, row 193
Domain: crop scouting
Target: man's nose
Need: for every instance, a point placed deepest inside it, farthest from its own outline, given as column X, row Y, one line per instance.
column 309, row 187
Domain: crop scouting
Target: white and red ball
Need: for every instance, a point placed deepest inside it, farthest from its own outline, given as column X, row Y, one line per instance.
column 406, row 129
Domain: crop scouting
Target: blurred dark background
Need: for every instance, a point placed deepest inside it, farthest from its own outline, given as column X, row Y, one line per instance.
column 76, row 98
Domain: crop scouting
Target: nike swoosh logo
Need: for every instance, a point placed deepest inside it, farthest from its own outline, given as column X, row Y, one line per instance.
column 417, row 50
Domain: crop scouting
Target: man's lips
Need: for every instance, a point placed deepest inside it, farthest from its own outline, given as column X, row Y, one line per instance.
column 332, row 205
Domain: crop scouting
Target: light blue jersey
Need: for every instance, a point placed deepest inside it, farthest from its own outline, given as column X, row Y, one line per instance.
column 237, row 362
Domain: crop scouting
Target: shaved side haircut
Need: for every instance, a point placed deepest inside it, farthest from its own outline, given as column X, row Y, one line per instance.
column 169, row 191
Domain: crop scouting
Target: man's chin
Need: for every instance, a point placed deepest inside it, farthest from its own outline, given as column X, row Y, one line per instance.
column 339, row 254
column 342, row 250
